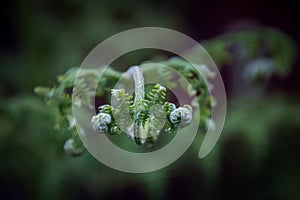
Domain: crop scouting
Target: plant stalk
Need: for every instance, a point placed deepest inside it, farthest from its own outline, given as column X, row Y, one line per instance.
column 139, row 132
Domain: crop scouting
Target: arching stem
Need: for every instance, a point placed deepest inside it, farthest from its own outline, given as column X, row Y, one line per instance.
column 138, row 83
column 139, row 132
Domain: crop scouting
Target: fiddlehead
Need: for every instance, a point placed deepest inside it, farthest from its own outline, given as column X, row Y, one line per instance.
column 148, row 115
column 141, row 118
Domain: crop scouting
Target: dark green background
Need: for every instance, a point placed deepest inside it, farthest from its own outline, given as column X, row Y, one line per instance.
column 257, row 156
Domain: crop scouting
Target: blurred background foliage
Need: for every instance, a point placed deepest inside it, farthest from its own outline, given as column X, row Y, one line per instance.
column 257, row 156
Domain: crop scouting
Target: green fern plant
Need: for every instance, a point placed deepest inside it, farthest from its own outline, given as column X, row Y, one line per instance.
column 141, row 125
column 142, row 110
column 146, row 111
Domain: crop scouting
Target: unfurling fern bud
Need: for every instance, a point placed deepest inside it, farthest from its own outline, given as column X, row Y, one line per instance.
column 181, row 117
column 73, row 147
column 100, row 122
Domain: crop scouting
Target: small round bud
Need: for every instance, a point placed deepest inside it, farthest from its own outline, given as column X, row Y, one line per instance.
column 100, row 122
column 175, row 116
column 181, row 116
column 73, row 149
column 259, row 69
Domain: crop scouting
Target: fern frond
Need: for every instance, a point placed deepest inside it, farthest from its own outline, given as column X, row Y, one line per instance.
column 157, row 95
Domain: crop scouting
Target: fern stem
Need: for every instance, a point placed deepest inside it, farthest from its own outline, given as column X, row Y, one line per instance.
column 138, row 78
column 139, row 133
